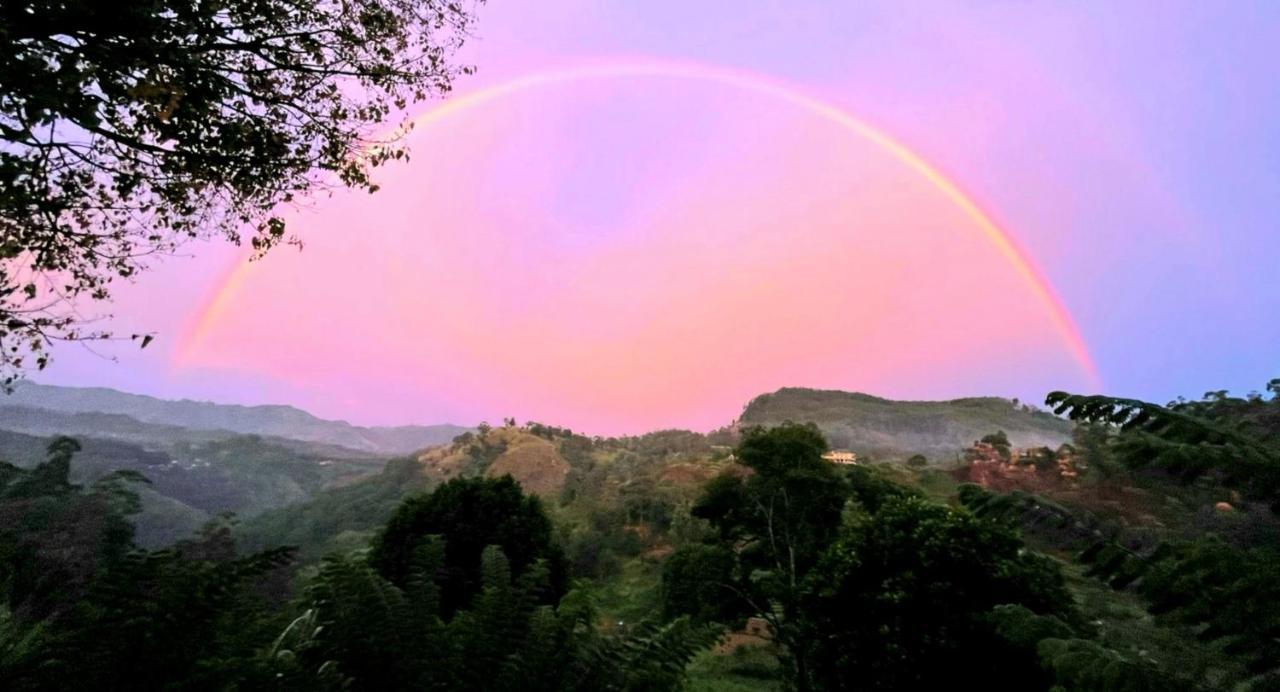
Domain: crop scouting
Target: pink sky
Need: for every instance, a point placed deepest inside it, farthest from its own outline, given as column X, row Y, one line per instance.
column 622, row 254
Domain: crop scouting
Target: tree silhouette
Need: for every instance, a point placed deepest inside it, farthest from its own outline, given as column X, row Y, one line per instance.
column 128, row 128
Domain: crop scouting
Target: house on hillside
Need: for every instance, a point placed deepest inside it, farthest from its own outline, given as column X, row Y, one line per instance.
column 841, row 456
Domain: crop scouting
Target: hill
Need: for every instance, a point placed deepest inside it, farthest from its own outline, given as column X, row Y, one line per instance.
column 191, row 481
column 871, row 425
column 629, row 481
column 268, row 421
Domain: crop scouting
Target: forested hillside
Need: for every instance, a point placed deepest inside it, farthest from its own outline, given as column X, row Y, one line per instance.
column 871, row 425
column 185, row 484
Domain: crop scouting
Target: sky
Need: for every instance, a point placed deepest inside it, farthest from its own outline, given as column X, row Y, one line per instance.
column 640, row 215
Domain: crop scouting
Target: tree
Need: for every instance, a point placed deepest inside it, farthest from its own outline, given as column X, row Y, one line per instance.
column 918, row 461
column 777, row 521
column 81, row 603
column 55, row 536
column 470, row 514
column 901, row 600
column 127, row 128
column 360, row 631
column 1000, row 442
column 696, row 581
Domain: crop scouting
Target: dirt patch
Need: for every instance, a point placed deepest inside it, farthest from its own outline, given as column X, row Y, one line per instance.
column 535, row 464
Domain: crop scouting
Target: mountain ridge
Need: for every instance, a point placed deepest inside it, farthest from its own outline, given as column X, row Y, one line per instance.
column 272, row 420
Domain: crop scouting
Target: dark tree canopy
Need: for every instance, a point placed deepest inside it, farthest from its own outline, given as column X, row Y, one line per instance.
column 1000, row 441
column 470, row 514
column 127, row 128
column 55, row 535
column 697, row 581
column 789, row 507
column 914, row 583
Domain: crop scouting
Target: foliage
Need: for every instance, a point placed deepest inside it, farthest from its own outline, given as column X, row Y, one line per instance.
column 652, row 656
column 746, row 668
column 1000, row 441
column 82, row 605
column 1236, row 441
column 788, row 508
column 1229, row 595
column 129, row 128
column 857, row 575
column 885, row 599
column 1228, row 592
column 776, row 522
column 56, row 536
column 697, row 581
column 862, row 580
column 161, row 617
column 359, row 630
column 1072, row 662
column 197, row 617
column 470, row 514
column 1225, row 594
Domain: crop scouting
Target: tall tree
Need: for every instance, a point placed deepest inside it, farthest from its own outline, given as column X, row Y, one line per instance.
column 777, row 521
column 127, row 128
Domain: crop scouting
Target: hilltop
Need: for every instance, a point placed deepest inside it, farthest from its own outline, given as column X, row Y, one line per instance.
column 883, row 428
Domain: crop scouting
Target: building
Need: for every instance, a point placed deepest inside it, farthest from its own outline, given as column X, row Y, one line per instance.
column 841, row 456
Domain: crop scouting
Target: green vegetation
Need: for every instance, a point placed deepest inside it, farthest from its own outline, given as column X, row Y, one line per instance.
column 856, row 576
column 197, row 616
column 189, row 483
column 470, row 515
column 740, row 560
column 346, row 514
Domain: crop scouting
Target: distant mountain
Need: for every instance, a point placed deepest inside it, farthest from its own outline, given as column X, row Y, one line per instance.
column 152, row 436
column 270, row 421
column 881, row 427
column 191, row 481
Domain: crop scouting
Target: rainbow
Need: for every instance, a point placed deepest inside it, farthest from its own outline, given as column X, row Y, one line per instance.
column 1000, row 239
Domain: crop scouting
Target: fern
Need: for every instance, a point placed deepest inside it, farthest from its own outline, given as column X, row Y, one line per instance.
column 1229, row 595
column 1189, row 440
column 651, row 656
